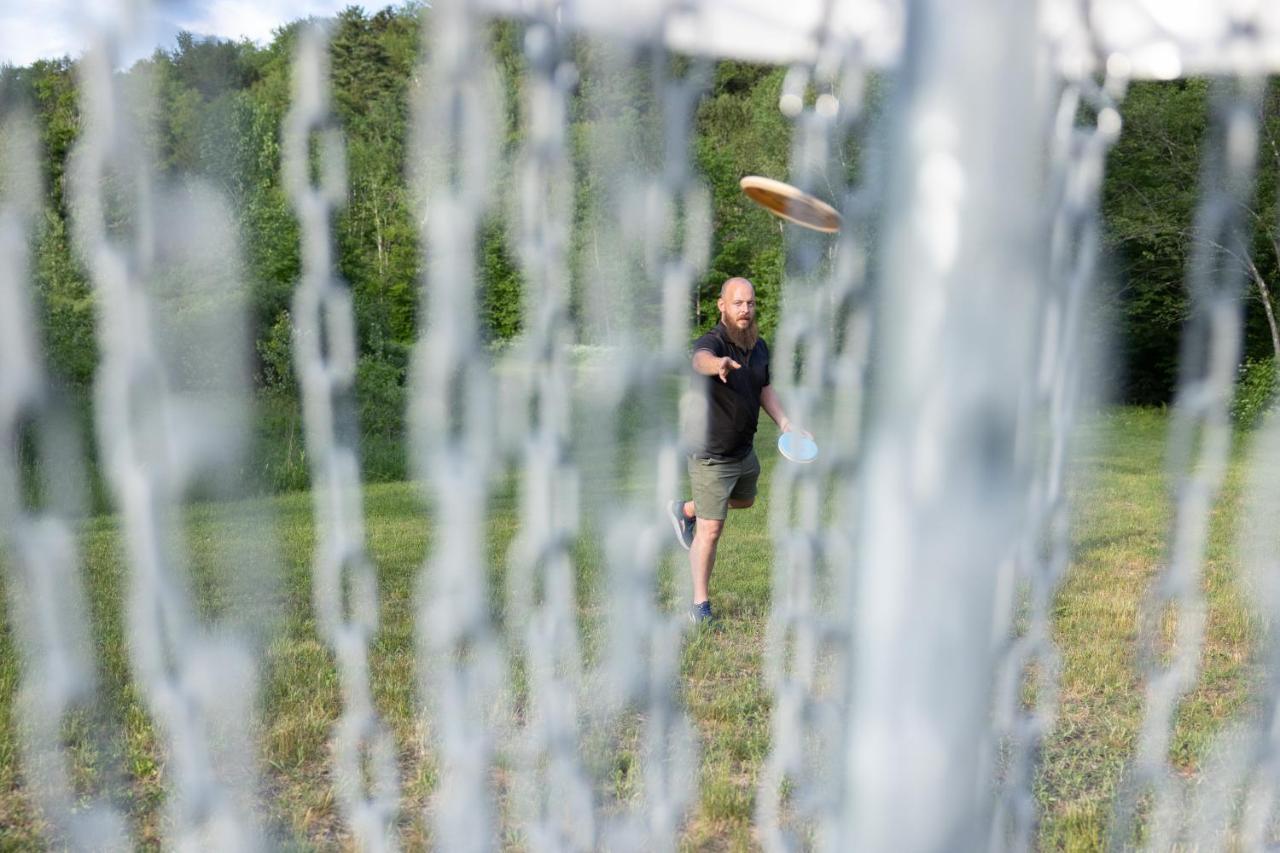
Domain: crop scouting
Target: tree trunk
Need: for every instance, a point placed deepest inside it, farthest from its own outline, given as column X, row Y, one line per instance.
column 1267, row 306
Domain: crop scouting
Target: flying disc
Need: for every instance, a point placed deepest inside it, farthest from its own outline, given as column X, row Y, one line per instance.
column 791, row 204
column 797, row 448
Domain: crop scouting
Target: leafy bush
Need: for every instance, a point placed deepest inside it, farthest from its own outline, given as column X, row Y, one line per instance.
column 380, row 394
column 275, row 355
column 1255, row 391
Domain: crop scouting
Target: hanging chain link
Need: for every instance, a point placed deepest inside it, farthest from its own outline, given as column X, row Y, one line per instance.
column 345, row 589
column 155, row 445
column 1198, row 448
column 462, row 664
column 1077, row 159
column 38, row 533
column 1260, row 568
column 822, row 345
column 657, row 216
column 554, row 784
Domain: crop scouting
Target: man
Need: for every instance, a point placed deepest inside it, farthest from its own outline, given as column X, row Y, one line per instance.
column 732, row 363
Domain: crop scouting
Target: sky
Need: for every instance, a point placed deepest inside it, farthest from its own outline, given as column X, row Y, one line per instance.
column 45, row 29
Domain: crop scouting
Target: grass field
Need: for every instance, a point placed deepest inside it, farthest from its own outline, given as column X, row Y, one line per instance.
column 1122, row 517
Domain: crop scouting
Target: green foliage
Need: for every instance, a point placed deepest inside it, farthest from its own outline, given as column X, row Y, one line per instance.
column 380, row 391
column 275, row 356
column 218, row 115
column 50, row 87
column 210, row 66
column 372, row 61
column 219, row 109
column 1149, row 199
column 1255, row 391
column 740, row 131
column 272, row 255
column 501, row 303
column 66, row 304
column 382, row 401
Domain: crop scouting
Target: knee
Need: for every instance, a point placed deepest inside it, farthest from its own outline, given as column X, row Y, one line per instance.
column 741, row 503
column 709, row 529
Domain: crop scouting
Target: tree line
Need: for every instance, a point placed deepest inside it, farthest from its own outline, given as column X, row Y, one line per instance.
column 218, row 107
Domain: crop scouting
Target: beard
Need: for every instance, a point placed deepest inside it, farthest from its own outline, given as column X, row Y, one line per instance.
column 743, row 339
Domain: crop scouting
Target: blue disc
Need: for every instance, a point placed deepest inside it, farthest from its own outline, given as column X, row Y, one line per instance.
column 797, row 448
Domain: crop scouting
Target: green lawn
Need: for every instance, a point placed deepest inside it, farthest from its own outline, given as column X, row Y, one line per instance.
column 1122, row 511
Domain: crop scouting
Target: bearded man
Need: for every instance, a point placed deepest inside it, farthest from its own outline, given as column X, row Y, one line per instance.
column 732, row 366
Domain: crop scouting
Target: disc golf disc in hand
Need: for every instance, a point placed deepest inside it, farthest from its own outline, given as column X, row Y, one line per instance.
column 797, row 448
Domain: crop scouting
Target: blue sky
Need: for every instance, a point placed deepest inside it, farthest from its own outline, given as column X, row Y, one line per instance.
column 43, row 29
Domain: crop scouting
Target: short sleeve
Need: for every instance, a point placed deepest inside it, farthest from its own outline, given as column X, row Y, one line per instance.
column 767, row 362
column 710, row 342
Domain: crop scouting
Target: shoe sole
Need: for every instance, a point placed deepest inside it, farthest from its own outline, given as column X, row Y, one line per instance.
column 675, row 523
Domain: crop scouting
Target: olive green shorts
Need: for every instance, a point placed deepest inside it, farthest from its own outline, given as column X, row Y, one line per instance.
column 714, row 483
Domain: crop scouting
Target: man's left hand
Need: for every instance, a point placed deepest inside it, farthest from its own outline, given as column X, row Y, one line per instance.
column 790, row 427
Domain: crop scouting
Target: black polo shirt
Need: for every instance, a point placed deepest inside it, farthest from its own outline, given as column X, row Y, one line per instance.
column 733, row 407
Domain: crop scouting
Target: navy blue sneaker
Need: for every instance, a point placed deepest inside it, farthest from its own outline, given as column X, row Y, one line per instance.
column 701, row 614
column 684, row 526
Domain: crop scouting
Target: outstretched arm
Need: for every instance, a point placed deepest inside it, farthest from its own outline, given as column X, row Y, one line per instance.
column 709, row 364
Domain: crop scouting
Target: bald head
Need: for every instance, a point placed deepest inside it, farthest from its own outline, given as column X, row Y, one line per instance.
column 737, row 306
column 736, row 281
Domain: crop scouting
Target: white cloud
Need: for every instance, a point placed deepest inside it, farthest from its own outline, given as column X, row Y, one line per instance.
column 31, row 31
column 45, row 29
column 255, row 19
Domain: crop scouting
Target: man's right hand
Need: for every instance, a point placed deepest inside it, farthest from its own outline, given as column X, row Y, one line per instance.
column 726, row 365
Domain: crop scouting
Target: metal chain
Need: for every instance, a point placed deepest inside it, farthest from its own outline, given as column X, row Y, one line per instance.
column 1076, row 163
column 463, row 665
column 671, row 751
column 155, row 444
column 659, row 217
column 554, row 784
column 37, row 532
column 1199, row 445
column 1260, row 571
column 825, row 329
column 345, row 591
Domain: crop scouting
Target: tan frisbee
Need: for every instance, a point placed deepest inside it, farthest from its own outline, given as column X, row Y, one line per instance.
column 791, row 204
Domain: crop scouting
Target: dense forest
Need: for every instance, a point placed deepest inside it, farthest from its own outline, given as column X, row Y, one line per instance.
column 219, row 107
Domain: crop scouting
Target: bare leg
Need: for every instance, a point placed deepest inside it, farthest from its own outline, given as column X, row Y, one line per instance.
column 702, row 555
